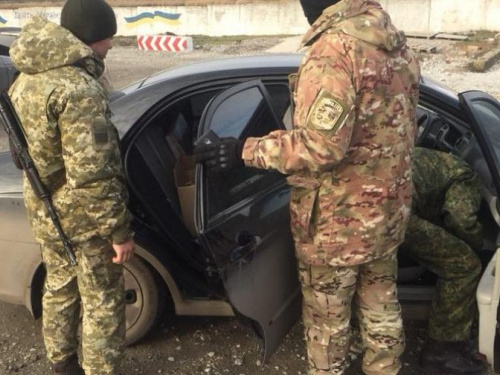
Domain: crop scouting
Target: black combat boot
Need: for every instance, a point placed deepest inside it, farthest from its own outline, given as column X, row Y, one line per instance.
column 69, row 366
column 445, row 357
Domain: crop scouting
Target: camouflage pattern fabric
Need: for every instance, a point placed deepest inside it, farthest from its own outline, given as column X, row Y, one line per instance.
column 97, row 285
column 71, row 139
column 105, row 81
column 328, row 292
column 75, row 147
column 349, row 158
column 349, row 153
column 446, row 192
column 442, row 233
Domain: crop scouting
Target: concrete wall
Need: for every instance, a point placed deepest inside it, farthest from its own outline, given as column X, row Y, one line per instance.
column 284, row 18
column 444, row 15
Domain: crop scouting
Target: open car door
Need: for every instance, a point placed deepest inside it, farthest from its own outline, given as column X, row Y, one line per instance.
column 243, row 219
column 484, row 113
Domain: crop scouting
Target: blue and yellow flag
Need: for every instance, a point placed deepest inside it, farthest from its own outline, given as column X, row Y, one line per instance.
column 149, row 17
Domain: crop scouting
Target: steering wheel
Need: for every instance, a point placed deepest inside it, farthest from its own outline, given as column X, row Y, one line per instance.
column 424, row 123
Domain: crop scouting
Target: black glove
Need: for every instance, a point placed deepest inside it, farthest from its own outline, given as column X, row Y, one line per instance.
column 221, row 155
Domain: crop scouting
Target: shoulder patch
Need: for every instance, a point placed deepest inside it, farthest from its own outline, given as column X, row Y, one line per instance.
column 327, row 112
column 101, row 136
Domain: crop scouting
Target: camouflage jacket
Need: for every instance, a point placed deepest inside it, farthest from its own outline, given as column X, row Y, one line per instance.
column 349, row 153
column 446, row 192
column 75, row 147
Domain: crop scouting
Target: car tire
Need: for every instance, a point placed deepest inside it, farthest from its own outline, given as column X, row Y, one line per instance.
column 141, row 298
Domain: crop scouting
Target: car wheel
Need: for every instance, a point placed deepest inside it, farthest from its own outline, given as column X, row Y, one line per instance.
column 141, row 298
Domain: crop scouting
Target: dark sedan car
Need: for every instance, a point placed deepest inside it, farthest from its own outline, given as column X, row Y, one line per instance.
column 213, row 244
column 7, row 70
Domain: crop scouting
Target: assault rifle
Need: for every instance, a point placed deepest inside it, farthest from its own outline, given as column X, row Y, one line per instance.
column 13, row 127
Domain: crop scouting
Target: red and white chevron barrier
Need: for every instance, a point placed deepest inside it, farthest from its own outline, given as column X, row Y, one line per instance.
column 165, row 43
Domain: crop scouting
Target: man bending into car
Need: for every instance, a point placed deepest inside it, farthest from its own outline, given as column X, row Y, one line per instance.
column 442, row 235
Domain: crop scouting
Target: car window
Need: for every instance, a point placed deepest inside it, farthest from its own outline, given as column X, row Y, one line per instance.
column 233, row 189
column 234, row 115
column 231, row 119
column 181, row 119
column 242, row 115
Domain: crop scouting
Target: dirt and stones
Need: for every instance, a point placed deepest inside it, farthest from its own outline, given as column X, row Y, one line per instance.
column 449, row 63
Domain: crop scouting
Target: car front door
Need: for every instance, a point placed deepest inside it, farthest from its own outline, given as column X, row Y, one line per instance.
column 483, row 111
column 243, row 220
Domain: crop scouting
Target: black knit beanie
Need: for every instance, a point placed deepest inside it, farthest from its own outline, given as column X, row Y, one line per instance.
column 314, row 8
column 89, row 20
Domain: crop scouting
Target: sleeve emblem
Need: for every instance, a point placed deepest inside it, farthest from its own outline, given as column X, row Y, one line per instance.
column 101, row 136
column 327, row 112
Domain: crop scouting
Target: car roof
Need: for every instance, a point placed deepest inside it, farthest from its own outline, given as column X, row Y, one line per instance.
column 219, row 68
column 142, row 95
column 133, row 101
column 7, row 36
column 231, row 66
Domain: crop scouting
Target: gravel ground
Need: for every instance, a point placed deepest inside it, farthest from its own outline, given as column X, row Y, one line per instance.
column 186, row 346
column 448, row 65
column 183, row 346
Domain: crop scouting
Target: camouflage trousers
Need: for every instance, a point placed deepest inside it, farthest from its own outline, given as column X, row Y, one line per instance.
column 96, row 285
column 328, row 293
column 458, row 268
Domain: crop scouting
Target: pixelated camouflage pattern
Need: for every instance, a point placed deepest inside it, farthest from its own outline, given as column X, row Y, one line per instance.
column 328, row 292
column 65, row 115
column 99, row 283
column 443, row 227
column 74, row 145
column 446, row 192
column 105, row 81
column 349, row 153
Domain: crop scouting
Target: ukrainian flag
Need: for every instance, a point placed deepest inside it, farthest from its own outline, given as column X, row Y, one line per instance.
column 150, row 17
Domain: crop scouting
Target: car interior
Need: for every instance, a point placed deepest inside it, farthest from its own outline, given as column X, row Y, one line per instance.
column 436, row 131
column 161, row 148
column 159, row 166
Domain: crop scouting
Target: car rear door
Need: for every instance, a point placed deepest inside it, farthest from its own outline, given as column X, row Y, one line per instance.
column 7, row 72
column 483, row 111
column 243, row 219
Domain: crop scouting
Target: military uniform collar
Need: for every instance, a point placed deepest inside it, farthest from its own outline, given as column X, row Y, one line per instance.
column 93, row 65
column 335, row 14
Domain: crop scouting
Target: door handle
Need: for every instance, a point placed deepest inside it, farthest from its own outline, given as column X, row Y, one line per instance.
column 247, row 243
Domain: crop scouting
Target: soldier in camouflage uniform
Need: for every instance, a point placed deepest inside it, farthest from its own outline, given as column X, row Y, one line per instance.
column 66, row 119
column 442, row 235
column 349, row 159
